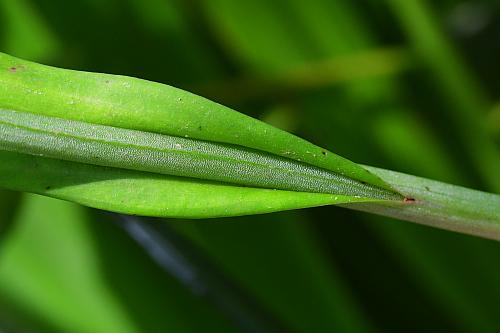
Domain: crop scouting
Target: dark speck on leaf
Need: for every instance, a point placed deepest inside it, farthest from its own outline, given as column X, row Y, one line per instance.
column 199, row 128
column 15, row 69
column 48, row 187
column 323, row 152
column 409, row 200
column 427, row 188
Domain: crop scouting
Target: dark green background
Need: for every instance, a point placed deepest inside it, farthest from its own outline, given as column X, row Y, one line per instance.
column 409, row 85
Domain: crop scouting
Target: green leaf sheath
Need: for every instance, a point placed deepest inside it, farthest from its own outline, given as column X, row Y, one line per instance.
column 158, row 153
column 132, row 103
column 439, row 205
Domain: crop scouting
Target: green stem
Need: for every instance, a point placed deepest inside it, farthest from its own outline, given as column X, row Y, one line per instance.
column 439, row 205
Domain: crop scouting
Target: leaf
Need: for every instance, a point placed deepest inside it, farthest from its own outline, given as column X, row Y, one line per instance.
column 140, row 193
column 59, row 253
column 28, row 34
column 115, row 147
column 128, row 123
column 147, row 106
column 116, row 133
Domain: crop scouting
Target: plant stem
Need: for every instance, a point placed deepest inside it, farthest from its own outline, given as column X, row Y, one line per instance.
column 438, row 204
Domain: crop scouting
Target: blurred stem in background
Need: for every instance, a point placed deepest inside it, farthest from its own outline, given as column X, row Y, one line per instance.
column 292, row 259
column 177, row 257
column 9, row 202
column 393, row 131
column 338, row 70
column 493, row 121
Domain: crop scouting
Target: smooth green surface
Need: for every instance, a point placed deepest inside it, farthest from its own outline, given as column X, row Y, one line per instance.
column 441, row 205
column 147, row 106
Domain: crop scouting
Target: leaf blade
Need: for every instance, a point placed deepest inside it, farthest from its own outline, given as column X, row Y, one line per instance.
column 147, row 106
column 151, row 152
column 140, row 193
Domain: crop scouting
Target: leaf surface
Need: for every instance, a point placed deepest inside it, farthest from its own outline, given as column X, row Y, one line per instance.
column 152, row 107
column 141, row 193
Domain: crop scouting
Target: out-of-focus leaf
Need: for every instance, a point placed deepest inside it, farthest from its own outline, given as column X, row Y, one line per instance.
column 54, row 268
column 54, row 271
column 8, row 207
column 405, row 140
column 458, row 85
column 25, row 33
column 343, row 69
column 287, row 258
column 493, row 120
column 454, row 270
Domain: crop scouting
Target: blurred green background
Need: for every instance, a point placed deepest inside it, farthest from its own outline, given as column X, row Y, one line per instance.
column 412, row 84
